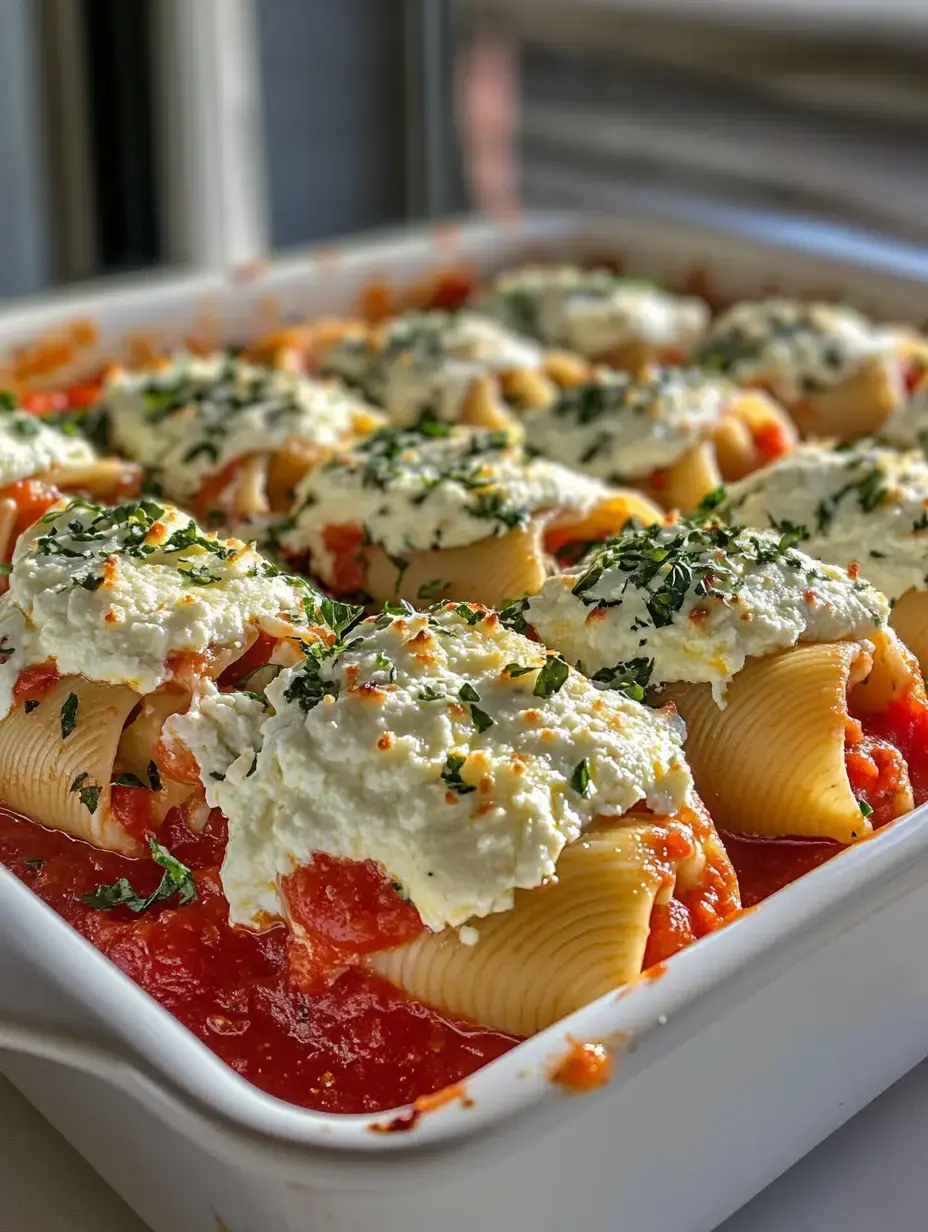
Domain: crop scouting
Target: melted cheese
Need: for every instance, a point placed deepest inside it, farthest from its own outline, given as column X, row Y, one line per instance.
column 594, row 311
column 677, row 603
column 793, row 349
column 863, row 506
column 111, row 594
column 621, row 426
column 439, row 487
column 29, row 447
column 421, row 746
column 428, row 361
column 190, row 418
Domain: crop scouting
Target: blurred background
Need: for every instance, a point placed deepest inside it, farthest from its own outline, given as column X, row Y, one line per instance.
column 140, row 133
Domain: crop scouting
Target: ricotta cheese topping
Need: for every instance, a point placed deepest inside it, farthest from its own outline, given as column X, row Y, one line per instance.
column 455, row 753
column 428, row 361
column 858, row 505
column 621, row 426
column 593, row 310
column 432, row 486
column 190, row 418
column 680, row 602
column 113, row 593
column 794, row 349
column 30, row 447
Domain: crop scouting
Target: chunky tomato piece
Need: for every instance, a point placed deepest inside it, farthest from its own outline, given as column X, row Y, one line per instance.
column 345, row 909
column 133, row 809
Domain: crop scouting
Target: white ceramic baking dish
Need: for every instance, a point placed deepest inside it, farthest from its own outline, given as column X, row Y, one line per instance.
column 751, row 1047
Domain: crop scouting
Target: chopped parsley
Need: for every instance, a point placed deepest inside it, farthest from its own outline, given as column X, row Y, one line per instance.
column 551, row 677
column 865, row 808
column 200, row 575
column 580, row 780
column 89, row 793
column 631, row 678
column 308, row 687
column 177, row 883
column 432, row 693
column 480, row 718
column 69, row 715
column 128, row 780
column 451, row 774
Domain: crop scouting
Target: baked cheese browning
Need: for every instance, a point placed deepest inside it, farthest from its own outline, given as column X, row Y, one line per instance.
column 393, row 515
column 232, row 437
column 647, row 428
column 116, row 594
column 685, row 601
column 455, row 367
column 114, row 619
column 466, row 764
column 838, row 373
column 440, row 718
column 621, row 321
column 768, row 655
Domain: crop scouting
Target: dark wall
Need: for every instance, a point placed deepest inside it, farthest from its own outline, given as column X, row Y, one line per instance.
column 334, row 98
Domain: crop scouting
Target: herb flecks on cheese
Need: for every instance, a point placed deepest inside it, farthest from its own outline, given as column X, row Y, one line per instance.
column 432, row 486
column 795, row 349
column 621, row 426
column 113, row 593
column 857, row 506
column 457, row 754
column 191, row 417
column 428, row 361
column 594, row 311
column 29, row 446
column 684, row 602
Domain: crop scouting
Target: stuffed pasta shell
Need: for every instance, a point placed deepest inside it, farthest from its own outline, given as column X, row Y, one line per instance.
column 460, row 367
column 446, row 512
column 675, row 433
column 864, row 508
column 228, row 438
column 521, row 842
column 624, row 322
column 39, row 461
column 114, row 618
column 837, row 373
column 806, row 715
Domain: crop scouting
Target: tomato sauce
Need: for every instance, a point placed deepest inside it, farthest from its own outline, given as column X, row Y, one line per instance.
column 358, row 1045
column 771, row 441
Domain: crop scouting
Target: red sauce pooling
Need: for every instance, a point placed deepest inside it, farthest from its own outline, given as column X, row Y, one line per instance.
column 358, row 1046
